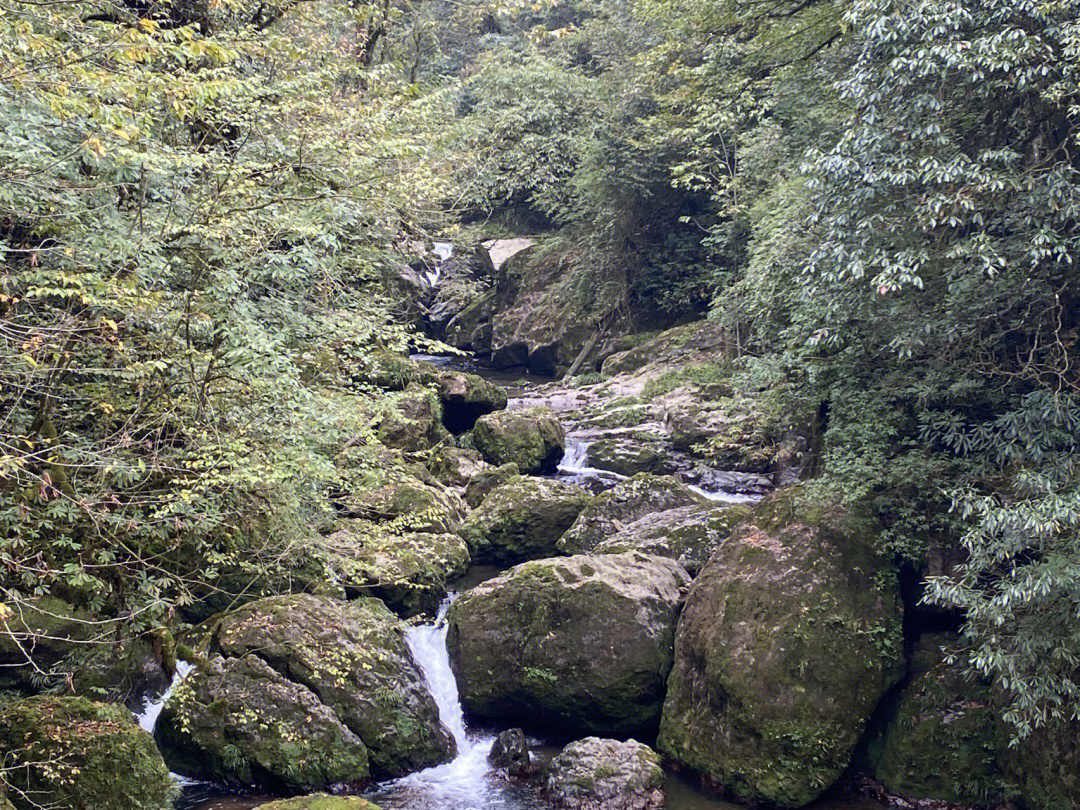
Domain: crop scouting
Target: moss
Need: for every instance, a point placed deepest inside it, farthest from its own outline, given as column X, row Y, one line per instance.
column 72, row 752
column 789, row 638
column 531, row 438
column 944, row 740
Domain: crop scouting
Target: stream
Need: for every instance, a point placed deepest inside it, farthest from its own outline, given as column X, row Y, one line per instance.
column 468, row 782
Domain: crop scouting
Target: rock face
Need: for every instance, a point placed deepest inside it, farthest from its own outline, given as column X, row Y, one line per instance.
column 72, row 752
column 415, row 421
column 620, row 506
column 510, row 753
column 304, row 692
column 944, row 740
column 408, row 504
column 1046, row 766
column 407, row 571
column 467, row 397
column 598, row 774
column 532, row 438
column 689, row 535
column 486, row 480
column 320, row 801
column 790, row 636
column 456, row 466
column 579, row 643
column 522, row 519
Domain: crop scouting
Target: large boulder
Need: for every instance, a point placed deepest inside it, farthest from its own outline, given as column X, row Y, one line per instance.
column 689, row 535
column 467, row 397
column 304, row 692
column 790, row 636
column 73, row 753
column 456, row 466
column 522, row 519
column 577, row 643
column 408, row 504
column 532, row 438
column 944, row 741
column 413, row 422
column 37, row 635
column 621, row 505
column 599, row 774
column 409, row 572
column 1046, row 767
column 629, row 455
column 481, row 484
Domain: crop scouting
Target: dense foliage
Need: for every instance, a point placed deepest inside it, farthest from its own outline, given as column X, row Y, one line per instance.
column 203, row 208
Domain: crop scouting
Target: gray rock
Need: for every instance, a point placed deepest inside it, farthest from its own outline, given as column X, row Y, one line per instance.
column 510, row 753
column 598, row 774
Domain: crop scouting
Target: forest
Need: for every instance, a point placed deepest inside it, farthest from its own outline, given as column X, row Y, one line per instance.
column 537, row 404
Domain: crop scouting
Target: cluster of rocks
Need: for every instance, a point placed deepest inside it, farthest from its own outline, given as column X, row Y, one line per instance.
column 762, row 647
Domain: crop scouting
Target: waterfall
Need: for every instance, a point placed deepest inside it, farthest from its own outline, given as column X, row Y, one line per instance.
column 575, row 466
column 148, row 717
column 443, row 252
column 462, row 783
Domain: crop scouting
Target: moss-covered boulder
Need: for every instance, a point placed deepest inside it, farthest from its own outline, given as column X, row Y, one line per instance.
column 467, row 397
column 670, row 347
column 74, row 753
column 486, row 480
column 1045, row 766
column 522, row 519
column 304, row 691
column 456, row 466
column 577, row 643
column 532, row 438
column 630, row 455
column 408, row 504
column 689, row 535
column 790, row 636
column 944, row 741
column 409, row 571
column 413, row 421
column 621, row 505
column 599, row 774
column 37, row 635
column 320, row 801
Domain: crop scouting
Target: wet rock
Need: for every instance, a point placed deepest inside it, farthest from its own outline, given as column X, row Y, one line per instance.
column 73, row 752
column 320, row 801
column 408, row 504
column 626, row 502
column 485, row 481
column 510, row 753
column 467, row 397
column 790, row 636
column 522, row 519
column 576, row 643
column 407, row 571
column 598, row 774
column 532, row 438
column 670, row 347
column 945, row 740
column 689, row 535
column 456, row 466
column 414, row 422
column 629, row 455
column 304, row 692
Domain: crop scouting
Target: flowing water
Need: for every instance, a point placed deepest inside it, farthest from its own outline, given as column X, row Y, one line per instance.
column 468, row 782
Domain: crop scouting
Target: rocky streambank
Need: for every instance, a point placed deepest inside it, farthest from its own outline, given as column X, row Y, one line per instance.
column 661, row 588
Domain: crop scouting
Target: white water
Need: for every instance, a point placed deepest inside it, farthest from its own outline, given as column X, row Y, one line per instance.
column 148, row 717
column 574, row 464
column 723, row 496
column 467, row 782
column 443, row 253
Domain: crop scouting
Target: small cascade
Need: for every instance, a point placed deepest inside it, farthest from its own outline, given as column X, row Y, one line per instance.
column 574, row 465
column 723, row 496
column 148, row 717
column 467, row 782
column 444, row 251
